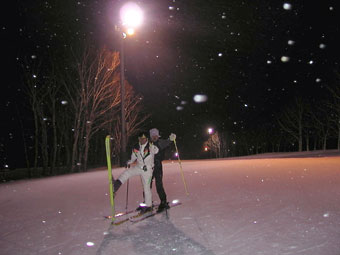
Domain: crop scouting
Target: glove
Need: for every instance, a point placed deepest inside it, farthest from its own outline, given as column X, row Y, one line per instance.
column 172, row 137
column 127, row 165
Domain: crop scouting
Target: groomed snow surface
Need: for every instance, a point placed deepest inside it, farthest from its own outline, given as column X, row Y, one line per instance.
column 270, row 204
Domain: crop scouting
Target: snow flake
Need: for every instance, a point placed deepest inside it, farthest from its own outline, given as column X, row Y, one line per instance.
column 322, row 46
column 287, row 6
column 200, row 98
column 291, row 42
column 284, row 59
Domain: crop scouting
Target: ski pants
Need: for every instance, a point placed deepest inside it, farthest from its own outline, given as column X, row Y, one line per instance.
column 158, row 175
column 146, row 177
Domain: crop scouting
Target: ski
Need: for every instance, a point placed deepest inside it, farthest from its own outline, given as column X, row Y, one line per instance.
column 109, row 169
column 121, row 214
column 118, row 215
column 119, row 221
column 150, row 214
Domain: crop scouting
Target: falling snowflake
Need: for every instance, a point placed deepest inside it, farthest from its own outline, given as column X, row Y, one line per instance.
column 284, row 59
column 287, row 6
column 200, row 98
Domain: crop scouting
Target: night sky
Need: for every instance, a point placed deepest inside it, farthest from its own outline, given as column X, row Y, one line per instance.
column 249, row 58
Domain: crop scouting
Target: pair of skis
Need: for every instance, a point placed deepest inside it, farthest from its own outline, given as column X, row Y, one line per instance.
column 138, row 216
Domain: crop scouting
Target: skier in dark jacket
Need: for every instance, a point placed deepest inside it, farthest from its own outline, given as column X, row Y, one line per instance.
column 162, row 145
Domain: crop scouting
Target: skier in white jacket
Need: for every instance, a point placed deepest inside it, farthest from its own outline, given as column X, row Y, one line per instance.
column 143, row 153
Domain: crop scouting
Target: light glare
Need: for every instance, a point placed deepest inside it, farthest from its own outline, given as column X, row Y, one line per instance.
column 131, row 15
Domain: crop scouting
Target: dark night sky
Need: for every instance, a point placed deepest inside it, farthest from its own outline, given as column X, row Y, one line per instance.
column 230, row 51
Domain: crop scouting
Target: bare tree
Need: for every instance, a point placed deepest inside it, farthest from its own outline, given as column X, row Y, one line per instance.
column 37, row 94
column 134, row 116
column 334, row 105
column 214, row 144
column 322, row 123
column 93, row 98
column 292, row 120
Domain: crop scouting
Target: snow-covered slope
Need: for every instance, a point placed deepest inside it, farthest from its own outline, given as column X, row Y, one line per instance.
column 235, row 206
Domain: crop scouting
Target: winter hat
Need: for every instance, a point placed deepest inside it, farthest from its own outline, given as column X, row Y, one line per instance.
column 154, row 132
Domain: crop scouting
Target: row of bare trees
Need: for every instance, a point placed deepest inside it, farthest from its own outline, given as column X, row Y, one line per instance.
column 300, row 126
column 73, row 107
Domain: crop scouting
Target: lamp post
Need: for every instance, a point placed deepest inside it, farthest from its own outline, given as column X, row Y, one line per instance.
column 131, row 17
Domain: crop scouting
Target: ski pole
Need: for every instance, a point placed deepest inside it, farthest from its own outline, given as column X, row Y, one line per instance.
column 109, row 169
column 180, row 165
column 127, row 196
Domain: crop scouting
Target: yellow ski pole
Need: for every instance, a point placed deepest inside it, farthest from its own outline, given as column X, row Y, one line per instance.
column 180, row 165
column 108, row 158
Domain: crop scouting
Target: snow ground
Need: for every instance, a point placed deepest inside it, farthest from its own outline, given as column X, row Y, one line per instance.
column 270, row 204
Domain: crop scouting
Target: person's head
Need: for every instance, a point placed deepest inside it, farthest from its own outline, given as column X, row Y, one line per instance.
column 142, row 138
column 154, row 134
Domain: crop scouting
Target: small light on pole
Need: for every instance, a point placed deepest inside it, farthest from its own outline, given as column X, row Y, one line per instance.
column 131, row 17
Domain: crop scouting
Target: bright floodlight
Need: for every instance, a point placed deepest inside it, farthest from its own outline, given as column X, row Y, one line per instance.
column 131, row 15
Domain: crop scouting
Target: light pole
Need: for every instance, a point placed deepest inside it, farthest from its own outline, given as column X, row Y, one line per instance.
column 131, row 17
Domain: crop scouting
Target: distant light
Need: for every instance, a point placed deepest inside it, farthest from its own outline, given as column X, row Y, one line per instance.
column 210, row 131
column 171, row 8
column 64, row 102
column 183, row 102
column 200, row 98
column 310, row 62
column 6, row 166
column 220, row 54
column 322, row 46
column 284, row 59
column 179, row 108
column 34, row 76
column 205, row 148
column 33, row 56
column 245, row 105
column 291, row 42
column 90, row 244
column 326, row 215
column 287, row 6
column 130, row 31
column 269, row 61
column 331, row 8
column 176, row 154
column 318, row 80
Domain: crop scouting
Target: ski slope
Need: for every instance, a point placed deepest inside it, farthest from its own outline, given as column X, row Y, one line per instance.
column 269, row 204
